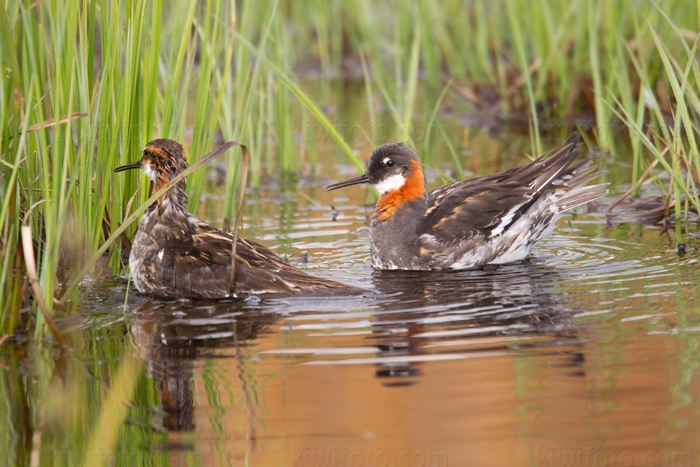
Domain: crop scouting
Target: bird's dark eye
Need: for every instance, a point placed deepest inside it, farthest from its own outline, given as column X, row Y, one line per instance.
column 389, row 163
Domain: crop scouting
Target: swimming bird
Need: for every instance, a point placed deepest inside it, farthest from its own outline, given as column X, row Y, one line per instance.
column 176, row 254
column 470, row 223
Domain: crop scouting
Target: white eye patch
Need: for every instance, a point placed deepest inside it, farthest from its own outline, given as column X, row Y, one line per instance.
column 392, row 183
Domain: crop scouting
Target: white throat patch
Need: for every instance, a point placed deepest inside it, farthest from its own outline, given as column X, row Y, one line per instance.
column 150, row 173
column 392, row 183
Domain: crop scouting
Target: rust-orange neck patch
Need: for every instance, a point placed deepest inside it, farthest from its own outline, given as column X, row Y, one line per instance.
column 413, row 188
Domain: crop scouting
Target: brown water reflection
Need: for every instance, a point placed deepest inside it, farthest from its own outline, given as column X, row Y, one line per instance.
column 510, row 366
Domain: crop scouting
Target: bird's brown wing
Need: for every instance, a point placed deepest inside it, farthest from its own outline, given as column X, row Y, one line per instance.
column 487, row 206
column 464, row 210
column 202, row 254
column 194, row 262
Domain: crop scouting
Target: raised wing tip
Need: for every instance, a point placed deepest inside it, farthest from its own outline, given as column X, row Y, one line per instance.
column 573, row 139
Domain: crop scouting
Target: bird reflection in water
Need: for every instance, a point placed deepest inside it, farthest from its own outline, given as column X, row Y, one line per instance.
column 426, row 316
column 416, row 317
column 174, row 337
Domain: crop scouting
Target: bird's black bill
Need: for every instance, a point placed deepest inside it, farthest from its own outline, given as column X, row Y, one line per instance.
column 353, row 181
column 134, row 165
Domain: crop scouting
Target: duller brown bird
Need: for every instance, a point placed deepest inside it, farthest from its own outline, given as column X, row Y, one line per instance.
column 470, row 223
column 178, row 255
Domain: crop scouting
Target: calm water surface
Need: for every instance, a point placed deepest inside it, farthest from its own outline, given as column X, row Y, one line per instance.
column 585, row 355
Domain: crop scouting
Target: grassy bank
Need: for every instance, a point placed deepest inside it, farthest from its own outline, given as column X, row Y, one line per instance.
column 86, row 85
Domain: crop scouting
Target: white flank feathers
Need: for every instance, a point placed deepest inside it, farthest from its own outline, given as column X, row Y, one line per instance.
column 504, row 221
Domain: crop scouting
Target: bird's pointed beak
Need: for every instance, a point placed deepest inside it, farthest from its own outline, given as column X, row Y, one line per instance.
column 353, row 181
column 133, row 165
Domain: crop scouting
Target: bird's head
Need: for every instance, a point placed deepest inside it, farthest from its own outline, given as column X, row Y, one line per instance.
column 161, row 161
column 391, row 167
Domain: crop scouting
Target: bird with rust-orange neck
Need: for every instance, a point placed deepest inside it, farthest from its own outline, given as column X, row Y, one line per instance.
column 176, row 254
column 470, row 223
